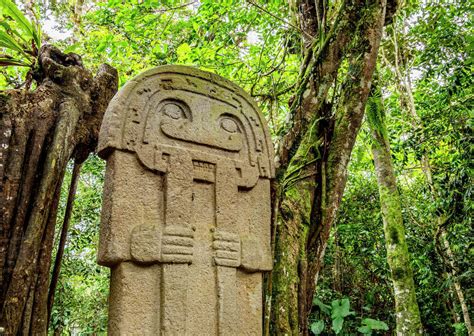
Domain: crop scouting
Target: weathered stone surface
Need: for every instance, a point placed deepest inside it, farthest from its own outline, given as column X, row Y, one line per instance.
column 186, row 212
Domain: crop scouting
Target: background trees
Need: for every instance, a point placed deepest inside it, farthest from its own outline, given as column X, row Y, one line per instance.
column 422, row 33
column 41, row 129
column 304, row 63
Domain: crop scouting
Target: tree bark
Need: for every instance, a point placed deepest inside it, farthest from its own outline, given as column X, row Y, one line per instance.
column 41, row 131
column 314, row 153
column 406, row 307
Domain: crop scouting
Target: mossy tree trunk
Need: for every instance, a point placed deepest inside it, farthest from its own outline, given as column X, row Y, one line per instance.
column 40, row 131
column 406, row 307
column 314, row 153
column 442, row 243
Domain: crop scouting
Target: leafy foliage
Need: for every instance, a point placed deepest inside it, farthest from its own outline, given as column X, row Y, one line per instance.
column 20, row 39
column 81, row 297
column 368, row 325
column 317, row 327
column 338, row 311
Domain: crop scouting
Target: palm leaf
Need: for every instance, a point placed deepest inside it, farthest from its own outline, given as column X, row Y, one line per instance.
column 6, row 41
column 7, row 61
column 10, row 9
column 9, row 30
column 37, row 28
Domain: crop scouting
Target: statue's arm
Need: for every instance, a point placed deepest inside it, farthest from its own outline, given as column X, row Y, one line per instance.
column 256, row 254
column 255, row 240
column 171, row 244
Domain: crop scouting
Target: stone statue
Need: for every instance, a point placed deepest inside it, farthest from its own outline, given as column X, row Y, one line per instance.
column 186, row 206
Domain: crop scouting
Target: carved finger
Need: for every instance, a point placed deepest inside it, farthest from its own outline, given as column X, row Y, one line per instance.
column 180, row 231
column 178, row 241
column 226, row 262
column 226, row 245
column 226, row 236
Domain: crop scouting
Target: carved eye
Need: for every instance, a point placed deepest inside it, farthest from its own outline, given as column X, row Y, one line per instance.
column 173, row 111
column 229, row 125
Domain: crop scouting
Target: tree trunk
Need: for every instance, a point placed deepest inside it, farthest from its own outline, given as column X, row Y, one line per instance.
column 315, row 151
column 406, row 92
column 457, row 285
column 41, row 131
column 406, row 307
column 337, row 274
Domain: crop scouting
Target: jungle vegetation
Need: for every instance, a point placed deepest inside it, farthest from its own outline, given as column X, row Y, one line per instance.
column 370, row 106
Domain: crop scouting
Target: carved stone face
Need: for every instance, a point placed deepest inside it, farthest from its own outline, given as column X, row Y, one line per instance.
column 213, row 128
column 217, row 127
column 178, row 111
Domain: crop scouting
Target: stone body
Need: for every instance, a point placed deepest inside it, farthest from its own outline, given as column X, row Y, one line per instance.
column 186, row 207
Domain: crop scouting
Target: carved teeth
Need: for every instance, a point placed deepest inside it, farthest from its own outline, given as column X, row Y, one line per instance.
column 203, row 165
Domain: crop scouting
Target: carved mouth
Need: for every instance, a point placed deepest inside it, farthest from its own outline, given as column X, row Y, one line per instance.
column 204, row 166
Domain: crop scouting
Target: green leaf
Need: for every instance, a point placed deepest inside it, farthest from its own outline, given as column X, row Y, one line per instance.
column 9, row 29
column 72, row 48
column 7, row 7
column 375, row 324
column 324, row 307
column 7, row 61
column 6, row 41
column 340, row 308
column 317, row 327
column 183, row 52
column 365, row 330
column 337, row 324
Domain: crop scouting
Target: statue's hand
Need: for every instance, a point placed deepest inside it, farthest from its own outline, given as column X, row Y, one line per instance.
column 226, row 247
column 256, row 255
column 177, row 245
column 145, row 244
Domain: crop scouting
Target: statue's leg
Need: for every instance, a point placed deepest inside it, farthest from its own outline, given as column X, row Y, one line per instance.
column 202, row 288
column 177, row 245
column 174, row 294
column 228, row 312
column 250, row 302
column 227, row 249
column 134, row 300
